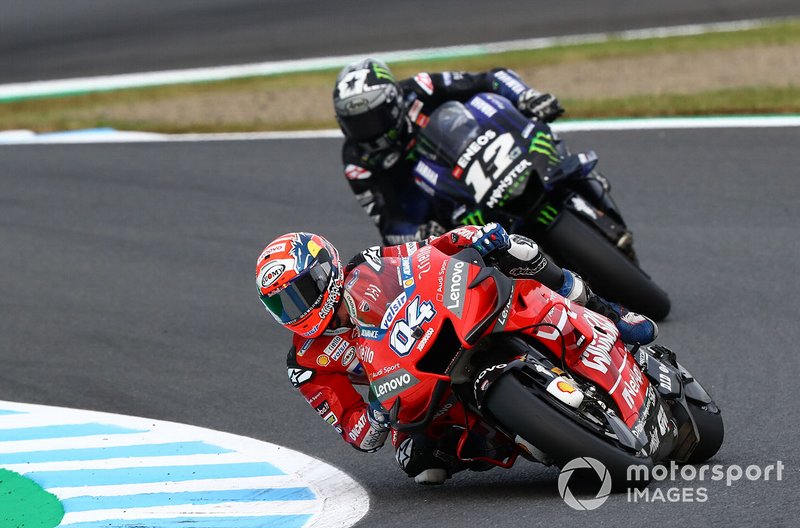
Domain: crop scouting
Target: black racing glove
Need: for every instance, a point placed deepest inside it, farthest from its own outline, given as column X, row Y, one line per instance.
column 432, row 228
column 542, row 106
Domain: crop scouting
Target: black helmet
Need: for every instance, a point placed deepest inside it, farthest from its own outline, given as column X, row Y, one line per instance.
column 369, row 105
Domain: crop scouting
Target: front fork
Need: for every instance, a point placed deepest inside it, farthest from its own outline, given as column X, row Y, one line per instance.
column 595, row 188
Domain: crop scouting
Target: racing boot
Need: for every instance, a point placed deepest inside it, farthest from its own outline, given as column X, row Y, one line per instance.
column 431, row 476
column 633, row 327
column 417, row 456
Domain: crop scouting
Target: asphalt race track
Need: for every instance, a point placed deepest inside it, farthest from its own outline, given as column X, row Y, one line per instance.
column 127, row 286
column 47, row 39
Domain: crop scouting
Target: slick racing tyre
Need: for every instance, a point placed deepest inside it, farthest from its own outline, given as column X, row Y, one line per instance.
column 710, row 430
column 523, row 411
column 609, row 272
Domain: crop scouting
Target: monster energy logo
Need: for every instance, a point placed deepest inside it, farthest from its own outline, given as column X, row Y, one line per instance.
column 542, row 143
column 382, row 73
column 474, row 218
column 547, row 214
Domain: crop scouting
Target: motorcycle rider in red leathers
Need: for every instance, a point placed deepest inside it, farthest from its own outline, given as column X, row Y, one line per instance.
column 301, row 281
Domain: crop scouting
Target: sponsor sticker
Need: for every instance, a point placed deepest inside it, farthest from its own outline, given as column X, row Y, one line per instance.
column 415, row 109
column 333, row 345
column 339, row 351
column 275, row 248
column 475, row 147
column 455, row 286
column 271, row 273
column 426, row 173
column 597, row 354
column 390, row 386
column 500, row 193
column 392, row 310
column 425, row 82
column 349, row 355
column 306, row 345
column 374, row 334
column 354, row 172
column 483, row 107
column 425, row 339
column 563, row 386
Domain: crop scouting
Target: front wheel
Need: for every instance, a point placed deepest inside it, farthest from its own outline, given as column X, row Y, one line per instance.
column 710, row 431
column 522, row 411
column 611, row 274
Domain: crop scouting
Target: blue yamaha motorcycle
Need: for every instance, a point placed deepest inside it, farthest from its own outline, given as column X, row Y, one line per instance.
column 486, row 162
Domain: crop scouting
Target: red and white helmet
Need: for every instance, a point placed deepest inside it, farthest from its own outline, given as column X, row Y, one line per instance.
column 299, row 278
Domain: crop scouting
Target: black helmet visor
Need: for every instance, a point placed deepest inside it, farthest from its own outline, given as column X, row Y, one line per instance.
column 372, row 124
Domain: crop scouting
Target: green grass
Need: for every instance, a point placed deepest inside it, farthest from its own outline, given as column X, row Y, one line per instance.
column 754, row 100
column 105, row 109
column 23, row 503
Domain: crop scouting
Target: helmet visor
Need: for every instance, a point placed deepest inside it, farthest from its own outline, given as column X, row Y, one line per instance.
column 303, row 294
column 372, row 124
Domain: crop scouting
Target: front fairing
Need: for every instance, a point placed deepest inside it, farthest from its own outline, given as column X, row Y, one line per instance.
column 485, row 155
column 400, row 306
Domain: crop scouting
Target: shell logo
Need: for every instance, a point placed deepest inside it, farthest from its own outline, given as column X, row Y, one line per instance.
column 563, row 386
column 323, row 361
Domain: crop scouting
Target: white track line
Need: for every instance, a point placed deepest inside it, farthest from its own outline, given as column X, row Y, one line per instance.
column 28, row 90
column 666, row 123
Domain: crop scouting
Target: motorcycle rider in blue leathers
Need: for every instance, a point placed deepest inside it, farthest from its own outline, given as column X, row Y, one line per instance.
column 380, row 118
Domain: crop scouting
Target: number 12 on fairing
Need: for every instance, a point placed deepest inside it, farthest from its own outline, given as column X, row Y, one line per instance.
column 497, row 154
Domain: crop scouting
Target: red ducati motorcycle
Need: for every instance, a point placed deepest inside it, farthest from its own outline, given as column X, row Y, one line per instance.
column 450, row 343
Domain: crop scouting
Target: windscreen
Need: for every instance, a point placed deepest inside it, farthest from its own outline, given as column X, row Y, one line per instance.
column 448, row 133
column 372, row 290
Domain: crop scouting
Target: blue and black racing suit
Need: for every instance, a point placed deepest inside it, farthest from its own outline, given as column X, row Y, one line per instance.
column 383, row 181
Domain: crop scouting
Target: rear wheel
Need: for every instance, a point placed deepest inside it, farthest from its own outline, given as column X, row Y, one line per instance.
column 523, row 411
column 611, row 274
